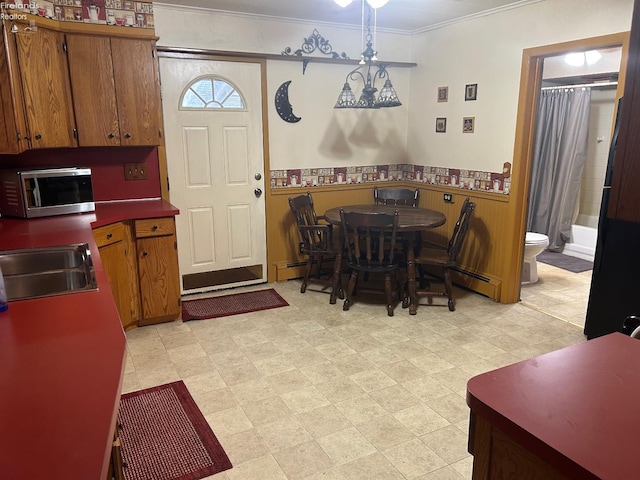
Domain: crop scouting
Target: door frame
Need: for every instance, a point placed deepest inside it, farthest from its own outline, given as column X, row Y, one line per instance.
column 191, row 54
column 530, row 82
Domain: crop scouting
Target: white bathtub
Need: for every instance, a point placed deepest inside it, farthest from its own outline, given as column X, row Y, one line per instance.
column 583, row 238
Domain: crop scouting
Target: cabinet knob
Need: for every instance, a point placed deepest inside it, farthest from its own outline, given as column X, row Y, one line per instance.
column 154, row 228
column 111, row 135
column 127, row 135
column 37, row 136
column 109, row 235
column 144, row 254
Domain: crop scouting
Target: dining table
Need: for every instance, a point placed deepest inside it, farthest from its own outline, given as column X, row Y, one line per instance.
column 411, row 221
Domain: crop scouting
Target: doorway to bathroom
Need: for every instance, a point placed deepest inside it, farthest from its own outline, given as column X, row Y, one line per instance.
column 595, row 66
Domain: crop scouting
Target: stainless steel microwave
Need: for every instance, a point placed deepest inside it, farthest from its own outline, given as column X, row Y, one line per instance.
column 45, row 192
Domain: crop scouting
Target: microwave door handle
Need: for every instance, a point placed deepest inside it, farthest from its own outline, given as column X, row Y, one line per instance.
column 36, row 193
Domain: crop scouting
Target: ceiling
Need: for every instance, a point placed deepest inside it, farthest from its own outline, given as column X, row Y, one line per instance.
column 406, row 15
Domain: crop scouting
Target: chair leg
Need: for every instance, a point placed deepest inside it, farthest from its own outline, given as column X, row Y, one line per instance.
column 388, row 291
column 336, row 281
column 448, row 287
column 307, row 272
column 320, row 260
column 352, row 284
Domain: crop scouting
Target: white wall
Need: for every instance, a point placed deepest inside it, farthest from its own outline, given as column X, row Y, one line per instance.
column 603, row 102
column 488, row 51
column 324, row 137
column 485, row 50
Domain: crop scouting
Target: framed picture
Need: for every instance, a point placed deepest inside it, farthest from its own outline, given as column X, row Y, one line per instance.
column 441, row 125
column 471, row 91
column 443, row 94
column 468, row 124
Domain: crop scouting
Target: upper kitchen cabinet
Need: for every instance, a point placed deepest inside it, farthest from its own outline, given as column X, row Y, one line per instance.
column 13, row 128
column 116, row 91
column 46, row 91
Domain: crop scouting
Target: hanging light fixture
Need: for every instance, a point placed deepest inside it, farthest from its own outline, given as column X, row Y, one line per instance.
column 369, row 70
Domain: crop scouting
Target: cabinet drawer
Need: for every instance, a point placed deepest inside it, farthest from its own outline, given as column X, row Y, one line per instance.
column 155, row 227
column 108, row 234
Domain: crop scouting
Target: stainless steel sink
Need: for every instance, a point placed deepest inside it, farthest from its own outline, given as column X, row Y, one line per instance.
column 41, row 272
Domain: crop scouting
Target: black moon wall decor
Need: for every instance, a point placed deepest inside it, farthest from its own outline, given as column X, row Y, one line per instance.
column 283, row 106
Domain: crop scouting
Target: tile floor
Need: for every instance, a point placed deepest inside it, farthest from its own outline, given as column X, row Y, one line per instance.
column 311, row 392
column 559, row 293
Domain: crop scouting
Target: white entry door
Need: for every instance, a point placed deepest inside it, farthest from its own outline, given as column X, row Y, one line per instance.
column 213, row 137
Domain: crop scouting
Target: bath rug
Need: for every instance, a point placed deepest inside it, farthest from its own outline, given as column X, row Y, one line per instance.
column 565, row 262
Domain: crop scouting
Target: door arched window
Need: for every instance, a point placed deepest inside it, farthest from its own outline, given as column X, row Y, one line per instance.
column 211, row 93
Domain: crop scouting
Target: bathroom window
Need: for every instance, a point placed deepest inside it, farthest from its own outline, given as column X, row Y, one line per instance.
column 211, row 93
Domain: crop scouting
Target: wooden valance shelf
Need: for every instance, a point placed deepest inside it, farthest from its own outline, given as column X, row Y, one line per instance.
column 81, row 27
column 177, row 52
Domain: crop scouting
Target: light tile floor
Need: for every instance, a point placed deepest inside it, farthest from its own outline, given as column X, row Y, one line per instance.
column 559, row 293
column 311, row 392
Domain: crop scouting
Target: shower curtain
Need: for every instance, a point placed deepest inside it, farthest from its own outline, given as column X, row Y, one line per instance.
column 560, row 153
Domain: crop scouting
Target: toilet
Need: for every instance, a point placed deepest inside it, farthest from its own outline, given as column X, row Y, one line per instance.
column 534, row 245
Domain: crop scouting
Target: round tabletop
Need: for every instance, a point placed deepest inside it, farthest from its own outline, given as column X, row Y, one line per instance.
column 411, row 218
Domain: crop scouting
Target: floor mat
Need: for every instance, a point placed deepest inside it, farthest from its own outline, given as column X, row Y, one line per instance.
column 164, row 436
column 566, row 262
column 233, row 304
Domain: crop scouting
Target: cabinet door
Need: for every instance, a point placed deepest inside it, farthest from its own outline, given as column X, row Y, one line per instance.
column 46, row 88
column 159, row 279
column 94, row 91
column 13, row 128
column 112, row 257
column 113, row 254
column 137, row 91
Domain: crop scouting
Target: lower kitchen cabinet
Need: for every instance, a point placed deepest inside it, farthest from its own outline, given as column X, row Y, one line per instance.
column 117, row 464
column 158, row 269
column 114, row 249
column 140, row 258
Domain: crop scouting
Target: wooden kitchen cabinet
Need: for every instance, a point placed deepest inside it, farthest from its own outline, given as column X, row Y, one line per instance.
column 157, row 252
column 140, row 258
column 46, row 89
column 117, row 463
column 114, row 251
column 116, row 92
column 13, row 128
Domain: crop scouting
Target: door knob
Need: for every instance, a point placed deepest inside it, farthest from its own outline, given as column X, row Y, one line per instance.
column 257, row 192
column 257, row 176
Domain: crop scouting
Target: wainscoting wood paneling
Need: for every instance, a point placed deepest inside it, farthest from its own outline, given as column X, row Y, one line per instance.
column 482, row 263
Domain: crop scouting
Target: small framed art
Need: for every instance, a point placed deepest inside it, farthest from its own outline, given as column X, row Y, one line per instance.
column 468, row 124
column 441, row 125
column 471, row 91
column 443, row 94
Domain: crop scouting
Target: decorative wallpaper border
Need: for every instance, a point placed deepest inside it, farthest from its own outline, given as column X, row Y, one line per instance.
column 126, row 13
column 459, row 178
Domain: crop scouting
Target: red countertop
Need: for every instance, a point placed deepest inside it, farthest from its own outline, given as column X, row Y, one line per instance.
column 575, row 408
column 62, row 358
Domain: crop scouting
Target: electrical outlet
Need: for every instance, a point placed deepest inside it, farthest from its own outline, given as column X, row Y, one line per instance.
column 448, row 198
column 135, row 171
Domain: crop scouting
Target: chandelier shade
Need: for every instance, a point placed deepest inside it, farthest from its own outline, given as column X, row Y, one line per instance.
column 368, row 71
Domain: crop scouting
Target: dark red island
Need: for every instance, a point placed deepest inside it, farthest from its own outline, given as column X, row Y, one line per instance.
column 568, row 414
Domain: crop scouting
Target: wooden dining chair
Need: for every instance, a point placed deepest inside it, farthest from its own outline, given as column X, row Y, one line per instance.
column 316, row 242
column 396, row 196
column 443, row 259
column 369, row 244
